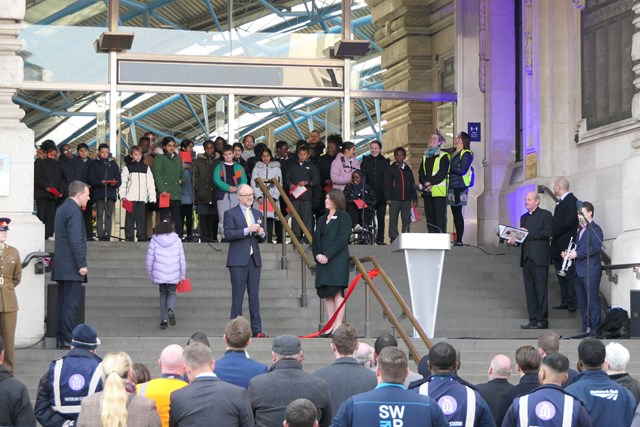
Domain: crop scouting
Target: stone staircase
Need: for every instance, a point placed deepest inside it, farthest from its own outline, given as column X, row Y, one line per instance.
column 480, row 310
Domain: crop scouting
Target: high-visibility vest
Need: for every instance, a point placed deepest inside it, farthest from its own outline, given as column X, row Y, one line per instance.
column 437, row 190
column 469, row 177
column 159, row 390
column 73, row 378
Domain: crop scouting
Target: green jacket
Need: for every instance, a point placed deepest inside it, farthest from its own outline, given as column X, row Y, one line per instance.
column 168, row 175
column 332, row 240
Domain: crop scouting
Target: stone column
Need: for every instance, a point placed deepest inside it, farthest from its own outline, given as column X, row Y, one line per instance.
column 16, row 140
column 625, row 247
column 407, row 57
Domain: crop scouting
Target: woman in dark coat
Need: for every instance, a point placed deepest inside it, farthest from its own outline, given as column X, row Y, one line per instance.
column 331, row 251
column 460, row 179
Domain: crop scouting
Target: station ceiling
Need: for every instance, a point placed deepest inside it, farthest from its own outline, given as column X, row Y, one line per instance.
column 182, row 116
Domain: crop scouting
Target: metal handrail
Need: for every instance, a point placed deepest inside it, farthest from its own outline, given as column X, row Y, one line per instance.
column 385, row 307
column 35, row 255
column 261, row 183
column 614, row 277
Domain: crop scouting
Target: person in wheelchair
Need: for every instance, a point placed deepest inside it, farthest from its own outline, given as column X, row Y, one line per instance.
column 361, row 198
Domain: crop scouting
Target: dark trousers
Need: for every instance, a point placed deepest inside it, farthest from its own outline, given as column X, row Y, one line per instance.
column 304, row 209
column 535, row 289
column 246, row 278
column 269, row 228
column 87, row 216
column 458, row 222
column 280, row 233
column 68, row 301
column 174, row 211
column 435, row 211
column 357, row 215
column 402, row 208
column 167, row 299
column 137, row 220
column 381, row 212
column 47, row 214
column 186, row 214
column 104, row 212
column 589, row 310
column 567, row 283
column 208, row 227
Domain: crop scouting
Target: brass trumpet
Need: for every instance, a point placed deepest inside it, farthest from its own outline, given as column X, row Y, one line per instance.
column 566, row 264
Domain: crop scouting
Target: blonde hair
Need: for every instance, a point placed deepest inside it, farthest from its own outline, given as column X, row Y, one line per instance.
column 113, row 402
column 441, row 138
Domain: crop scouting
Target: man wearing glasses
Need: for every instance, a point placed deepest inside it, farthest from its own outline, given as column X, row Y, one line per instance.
column 243, row 230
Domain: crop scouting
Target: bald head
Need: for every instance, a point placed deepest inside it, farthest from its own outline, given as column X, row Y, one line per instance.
column 172, row 360
column 561, row 186
column 500, row 367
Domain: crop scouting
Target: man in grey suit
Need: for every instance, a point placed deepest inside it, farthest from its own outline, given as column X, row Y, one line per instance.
column 207, row 400
column 346, row 377
column 70, row 259
column 271, row 393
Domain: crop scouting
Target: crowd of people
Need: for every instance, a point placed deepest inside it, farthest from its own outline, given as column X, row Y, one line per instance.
column 164, row 177
column 364, row 386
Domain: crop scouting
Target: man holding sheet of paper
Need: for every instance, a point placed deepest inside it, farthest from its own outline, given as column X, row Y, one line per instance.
column 535, row 260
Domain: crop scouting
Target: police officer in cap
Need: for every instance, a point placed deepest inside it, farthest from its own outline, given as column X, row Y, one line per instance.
column 69, row 379
column 548, row 405
column 10, row 274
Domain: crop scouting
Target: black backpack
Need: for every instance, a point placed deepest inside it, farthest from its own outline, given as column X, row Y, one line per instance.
column 615, row 325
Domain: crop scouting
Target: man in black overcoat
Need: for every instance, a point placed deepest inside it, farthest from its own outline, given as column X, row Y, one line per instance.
column 70, row 259
column 565, row 224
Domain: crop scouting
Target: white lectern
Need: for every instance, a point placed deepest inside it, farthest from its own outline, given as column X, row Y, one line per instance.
column 424, row 255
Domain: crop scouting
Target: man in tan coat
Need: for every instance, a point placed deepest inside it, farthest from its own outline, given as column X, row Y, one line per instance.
column 10, row 275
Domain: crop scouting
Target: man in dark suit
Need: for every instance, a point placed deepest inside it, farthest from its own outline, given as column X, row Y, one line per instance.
column 588, row 269
column 498, row 384
column 535, row 259
column 527, row 365
column 345, row 377
column 236, row 367
column 243, row 229
column 207, row 400
column 70, row 259
column 565, row 224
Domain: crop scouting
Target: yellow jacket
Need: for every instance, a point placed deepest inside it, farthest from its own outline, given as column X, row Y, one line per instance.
column 159, row 390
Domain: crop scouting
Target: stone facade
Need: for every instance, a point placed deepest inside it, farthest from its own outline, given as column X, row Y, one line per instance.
column 16, row 140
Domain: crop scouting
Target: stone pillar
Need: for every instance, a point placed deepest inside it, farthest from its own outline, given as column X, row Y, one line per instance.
column 626, row 248
column 407, row 57
column 16, row 141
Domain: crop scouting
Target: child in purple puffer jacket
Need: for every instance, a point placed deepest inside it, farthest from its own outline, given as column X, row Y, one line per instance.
column 166, row 267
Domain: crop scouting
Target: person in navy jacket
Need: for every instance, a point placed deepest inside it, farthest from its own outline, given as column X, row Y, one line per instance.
column 546, row 405
column 243, row 229
column 104, row 178
column 235, row 366
column 462, row 406
column 389, row 403
column 607, row 402
column 588, row 268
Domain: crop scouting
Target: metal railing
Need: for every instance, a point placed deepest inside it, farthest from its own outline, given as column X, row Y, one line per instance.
column 306, row 261
column 609, row 269
column 406, row 310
